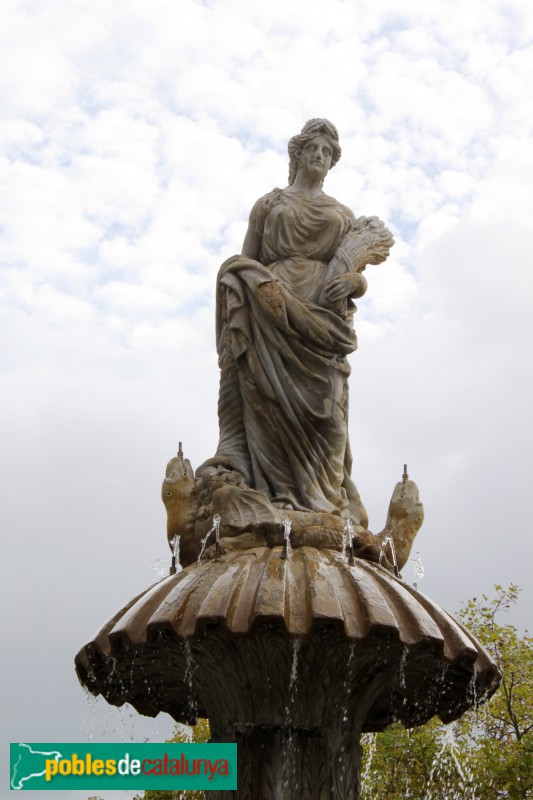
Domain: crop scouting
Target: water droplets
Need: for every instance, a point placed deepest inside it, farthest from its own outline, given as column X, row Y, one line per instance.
column 159, row 569
column 418, row 569
column 102, row 722
column 185, row 732
column 369, row 742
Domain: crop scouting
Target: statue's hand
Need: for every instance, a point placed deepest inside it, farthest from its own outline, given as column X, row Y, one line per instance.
column 351, row 284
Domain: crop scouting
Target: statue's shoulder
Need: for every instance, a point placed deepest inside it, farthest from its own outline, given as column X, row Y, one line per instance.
column 262, row 207
column 341, row 208
column 269, row 199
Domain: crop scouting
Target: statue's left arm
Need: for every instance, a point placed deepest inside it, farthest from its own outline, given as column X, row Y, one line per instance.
column 252, row 241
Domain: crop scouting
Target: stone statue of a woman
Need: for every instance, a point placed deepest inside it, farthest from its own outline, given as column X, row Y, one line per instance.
column 284, row 332
column 279, row 630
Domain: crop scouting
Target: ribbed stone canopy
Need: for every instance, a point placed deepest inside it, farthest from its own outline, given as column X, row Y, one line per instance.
column 308, row 624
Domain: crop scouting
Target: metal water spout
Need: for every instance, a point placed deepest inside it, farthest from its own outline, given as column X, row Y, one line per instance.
column 175, row 565
column 216, row 523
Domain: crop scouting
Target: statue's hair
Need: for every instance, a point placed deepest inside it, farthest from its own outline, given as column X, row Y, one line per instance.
column 312, row 128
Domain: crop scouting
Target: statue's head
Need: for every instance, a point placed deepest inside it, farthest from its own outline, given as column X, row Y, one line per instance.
column 312, row 128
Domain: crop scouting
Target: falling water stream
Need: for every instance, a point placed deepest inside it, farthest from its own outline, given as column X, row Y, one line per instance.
column 388, row 541
column 447, row 760
column 286, row 538
column 190, row 669
column 369, row 743
column 215, row 528
column 296, row 644
column 102, row 722
column 290, row 750
column 347, row 536
column 401, row 672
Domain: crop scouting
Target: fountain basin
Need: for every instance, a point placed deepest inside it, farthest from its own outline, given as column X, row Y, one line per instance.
column 205, row 636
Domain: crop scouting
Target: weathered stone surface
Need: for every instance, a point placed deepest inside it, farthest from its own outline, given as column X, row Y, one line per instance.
column 284, row 332
column 363, row 607
column 308, row 650
column 179, row 495
column 404, row 519
column 249, row 519
column 290, row 650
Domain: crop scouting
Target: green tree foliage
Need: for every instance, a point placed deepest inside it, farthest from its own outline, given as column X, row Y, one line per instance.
column 488, row 753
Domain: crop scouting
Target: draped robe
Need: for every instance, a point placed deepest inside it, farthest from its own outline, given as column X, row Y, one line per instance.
column 283, row 402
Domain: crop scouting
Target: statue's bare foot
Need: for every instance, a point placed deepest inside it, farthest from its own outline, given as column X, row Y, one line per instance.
column 211, row 478
column 283, row 504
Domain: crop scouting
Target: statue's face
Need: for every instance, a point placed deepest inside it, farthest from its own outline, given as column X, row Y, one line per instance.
column 316, row 156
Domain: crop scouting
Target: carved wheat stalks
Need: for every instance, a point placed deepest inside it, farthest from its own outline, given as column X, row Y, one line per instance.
column 369, row 242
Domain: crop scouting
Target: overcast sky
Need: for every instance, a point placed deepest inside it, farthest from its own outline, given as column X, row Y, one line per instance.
column 135, row 136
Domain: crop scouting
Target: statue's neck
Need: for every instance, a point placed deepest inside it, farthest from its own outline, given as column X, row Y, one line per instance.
column 307, row 184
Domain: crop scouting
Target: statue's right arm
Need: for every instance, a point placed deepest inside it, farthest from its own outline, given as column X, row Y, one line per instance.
column 252, row 241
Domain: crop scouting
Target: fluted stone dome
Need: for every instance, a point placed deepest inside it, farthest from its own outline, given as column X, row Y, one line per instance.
column 308, row 625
